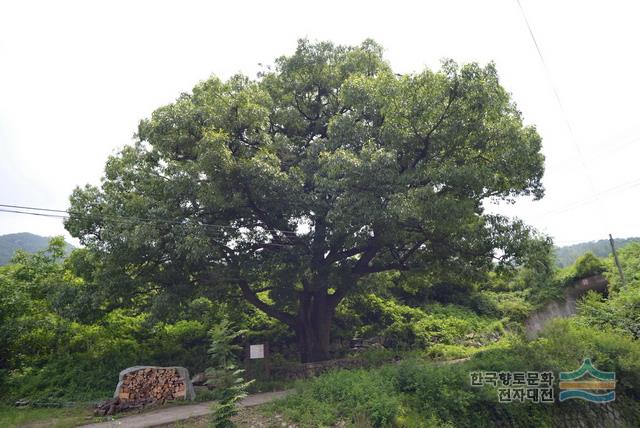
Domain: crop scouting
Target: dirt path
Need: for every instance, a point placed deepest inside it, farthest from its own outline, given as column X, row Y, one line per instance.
column 179, row 413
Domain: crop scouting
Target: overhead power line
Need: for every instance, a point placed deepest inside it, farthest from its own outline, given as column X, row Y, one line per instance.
column 66, row 214
column 63, row 215
column 33, row 208
column 32, row 213
column 580, row 202
column 601, row 153
column 565, row 117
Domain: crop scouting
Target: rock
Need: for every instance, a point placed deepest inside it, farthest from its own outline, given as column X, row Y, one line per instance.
column 199, row 379
column 22, row 403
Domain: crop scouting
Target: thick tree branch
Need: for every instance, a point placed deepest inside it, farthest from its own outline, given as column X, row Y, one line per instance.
column 270, row 310
column 280, row 235
column 336, row 256
column 382, row 268
column 363, row 263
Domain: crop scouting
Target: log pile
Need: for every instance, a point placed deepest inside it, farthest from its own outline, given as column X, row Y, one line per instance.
column 142, row 386
column 151, row 385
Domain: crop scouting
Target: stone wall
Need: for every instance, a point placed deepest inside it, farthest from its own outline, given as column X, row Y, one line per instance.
column 566, row 306
column 304, row 370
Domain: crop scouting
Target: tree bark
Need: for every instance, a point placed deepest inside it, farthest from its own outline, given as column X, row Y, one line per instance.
column 313, row 325
column 313, row 321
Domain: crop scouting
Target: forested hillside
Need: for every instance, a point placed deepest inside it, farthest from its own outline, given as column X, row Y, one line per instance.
column 568, row 254
column 23, row 241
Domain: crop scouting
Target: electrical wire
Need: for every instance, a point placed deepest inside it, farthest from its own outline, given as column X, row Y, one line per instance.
column 126, row 220
column 575, row 204
column 599, row 155
column 562, row 110
column 18, row 209
column 33, row 213
column 551, row 84
column 288, row 233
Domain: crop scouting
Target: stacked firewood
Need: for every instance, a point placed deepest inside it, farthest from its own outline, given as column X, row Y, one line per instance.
column 143, row 387
column 152, row 385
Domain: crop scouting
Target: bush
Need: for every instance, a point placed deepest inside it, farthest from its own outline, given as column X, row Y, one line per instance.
column 342, row 395
column 585, row 266
column 183, row 343
column 415, row 393
column 405, row 327
column 588, row 265
column 629, row 257
column 620, row 311
column 224, row 374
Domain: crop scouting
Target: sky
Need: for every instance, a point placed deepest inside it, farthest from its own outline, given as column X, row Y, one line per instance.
column 76, row 78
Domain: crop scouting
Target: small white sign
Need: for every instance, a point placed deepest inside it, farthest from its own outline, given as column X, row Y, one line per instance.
column 256, row 351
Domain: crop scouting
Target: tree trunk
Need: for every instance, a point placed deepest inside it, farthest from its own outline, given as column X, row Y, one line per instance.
column 313, row 326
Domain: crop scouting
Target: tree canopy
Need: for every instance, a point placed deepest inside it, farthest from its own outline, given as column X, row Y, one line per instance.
column 291, row 187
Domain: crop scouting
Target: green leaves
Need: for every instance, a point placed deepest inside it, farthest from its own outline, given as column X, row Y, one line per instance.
column 621, row 311
column 322, row 170
column 223, row 350
column 226, row 378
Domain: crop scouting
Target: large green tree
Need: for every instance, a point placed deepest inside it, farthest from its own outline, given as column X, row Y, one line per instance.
column 329, row 167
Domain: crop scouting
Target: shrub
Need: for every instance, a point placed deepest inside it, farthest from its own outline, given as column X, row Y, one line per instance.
column 415, row 393
column 450, row 352
column 629, row 257
column 224, row 374
column 588, row 265
column 404, row 327
column 342, row 395
column 183, row 343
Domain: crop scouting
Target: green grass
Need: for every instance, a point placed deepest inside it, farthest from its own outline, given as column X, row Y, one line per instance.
column 418, row 393
column 63, row 417
column 43, row 417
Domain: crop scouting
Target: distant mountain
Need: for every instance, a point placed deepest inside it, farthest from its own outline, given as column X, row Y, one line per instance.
column 567, row 255
column 26, row 241
column 564, row 255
